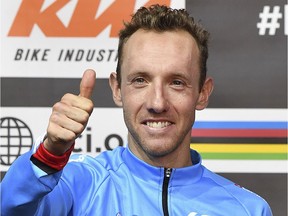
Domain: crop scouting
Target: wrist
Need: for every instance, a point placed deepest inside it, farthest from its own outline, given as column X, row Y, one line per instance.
column 42, row 157
column 56, row 149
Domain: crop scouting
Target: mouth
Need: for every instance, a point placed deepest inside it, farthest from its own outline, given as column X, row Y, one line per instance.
column 157, row 124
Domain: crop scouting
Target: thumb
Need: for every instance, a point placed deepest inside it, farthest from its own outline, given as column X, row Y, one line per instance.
column 87, row 83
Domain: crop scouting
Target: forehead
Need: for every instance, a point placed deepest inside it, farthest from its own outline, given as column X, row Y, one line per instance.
column 168, row 47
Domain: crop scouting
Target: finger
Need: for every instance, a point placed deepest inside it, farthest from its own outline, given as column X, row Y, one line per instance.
column 67, row 124
column 70, row 101
column 87, row 83
column 78, row 114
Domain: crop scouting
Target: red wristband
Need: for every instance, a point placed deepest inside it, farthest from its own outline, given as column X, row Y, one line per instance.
column 54, row 161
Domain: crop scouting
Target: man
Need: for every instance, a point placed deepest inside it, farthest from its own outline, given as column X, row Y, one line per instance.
column 160, row 82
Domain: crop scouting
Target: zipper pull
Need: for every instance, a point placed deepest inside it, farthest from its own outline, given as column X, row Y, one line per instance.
column 168, row 172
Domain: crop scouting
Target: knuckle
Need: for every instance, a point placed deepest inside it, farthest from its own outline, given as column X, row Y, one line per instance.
column 57, row 106
column 54, row 117
column 76, row 131
column 83, row 119
column 66, row 96
column 86, row 117
column 80, row 129
column 89, row 107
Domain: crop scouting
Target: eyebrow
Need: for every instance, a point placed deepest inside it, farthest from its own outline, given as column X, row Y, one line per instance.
column 135, row 74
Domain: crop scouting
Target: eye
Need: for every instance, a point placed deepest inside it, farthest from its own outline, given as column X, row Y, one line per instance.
column 177, row 83
column 139, row 80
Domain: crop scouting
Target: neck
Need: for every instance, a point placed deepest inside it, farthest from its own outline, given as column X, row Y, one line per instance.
column 175, row 159
column 171, row 161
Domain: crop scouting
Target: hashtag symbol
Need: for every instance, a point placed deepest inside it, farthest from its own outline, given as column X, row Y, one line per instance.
column 269, row 20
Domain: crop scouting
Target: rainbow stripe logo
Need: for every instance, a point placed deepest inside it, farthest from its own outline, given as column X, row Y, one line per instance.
column 240, row 140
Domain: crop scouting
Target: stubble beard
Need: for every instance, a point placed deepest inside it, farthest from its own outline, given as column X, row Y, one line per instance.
column 149, row 151
column 141, row 144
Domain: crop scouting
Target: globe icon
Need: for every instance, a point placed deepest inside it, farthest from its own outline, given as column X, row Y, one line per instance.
column 15, row 139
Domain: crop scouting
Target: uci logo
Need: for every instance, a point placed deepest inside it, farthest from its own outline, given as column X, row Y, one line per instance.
column 82, row 22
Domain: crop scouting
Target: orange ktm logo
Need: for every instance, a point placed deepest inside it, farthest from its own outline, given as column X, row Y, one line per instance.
column 82, row 22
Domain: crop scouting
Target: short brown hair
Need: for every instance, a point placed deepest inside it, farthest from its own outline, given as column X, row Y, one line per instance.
column 162, row 18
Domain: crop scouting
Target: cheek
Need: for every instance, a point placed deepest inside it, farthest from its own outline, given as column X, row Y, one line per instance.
column 132, row 97
column 185, row 108
column 132, row 104
column 186, row 102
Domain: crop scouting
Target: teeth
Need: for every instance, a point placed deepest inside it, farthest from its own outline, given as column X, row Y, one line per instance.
column 158, row 124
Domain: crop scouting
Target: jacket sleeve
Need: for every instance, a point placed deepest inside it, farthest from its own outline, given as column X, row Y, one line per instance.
column 26, row 190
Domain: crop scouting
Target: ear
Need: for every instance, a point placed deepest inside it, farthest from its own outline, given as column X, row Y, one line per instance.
column 116, row 91
column 205, row 93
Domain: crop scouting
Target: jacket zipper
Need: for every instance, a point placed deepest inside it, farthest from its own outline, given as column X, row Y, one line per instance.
column 167, row 174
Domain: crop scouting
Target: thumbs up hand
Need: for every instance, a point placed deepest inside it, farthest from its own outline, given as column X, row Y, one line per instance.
column 70, row 116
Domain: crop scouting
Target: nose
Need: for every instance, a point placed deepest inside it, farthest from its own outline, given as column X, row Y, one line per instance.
column 157, row 99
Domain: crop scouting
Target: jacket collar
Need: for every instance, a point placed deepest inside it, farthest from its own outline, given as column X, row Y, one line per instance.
column 179, row 176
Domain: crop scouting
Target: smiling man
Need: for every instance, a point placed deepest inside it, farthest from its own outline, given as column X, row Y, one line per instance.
column 160, row 82
column 162, row 67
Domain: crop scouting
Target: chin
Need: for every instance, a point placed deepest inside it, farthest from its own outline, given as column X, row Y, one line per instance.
column 158, row 152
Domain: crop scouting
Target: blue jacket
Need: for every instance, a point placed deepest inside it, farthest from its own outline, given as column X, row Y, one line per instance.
column 118, row 183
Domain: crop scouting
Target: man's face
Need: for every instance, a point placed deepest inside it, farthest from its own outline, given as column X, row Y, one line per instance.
column 159, row 92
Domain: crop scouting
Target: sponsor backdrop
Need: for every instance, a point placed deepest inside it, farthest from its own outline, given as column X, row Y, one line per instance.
column 47, row 44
